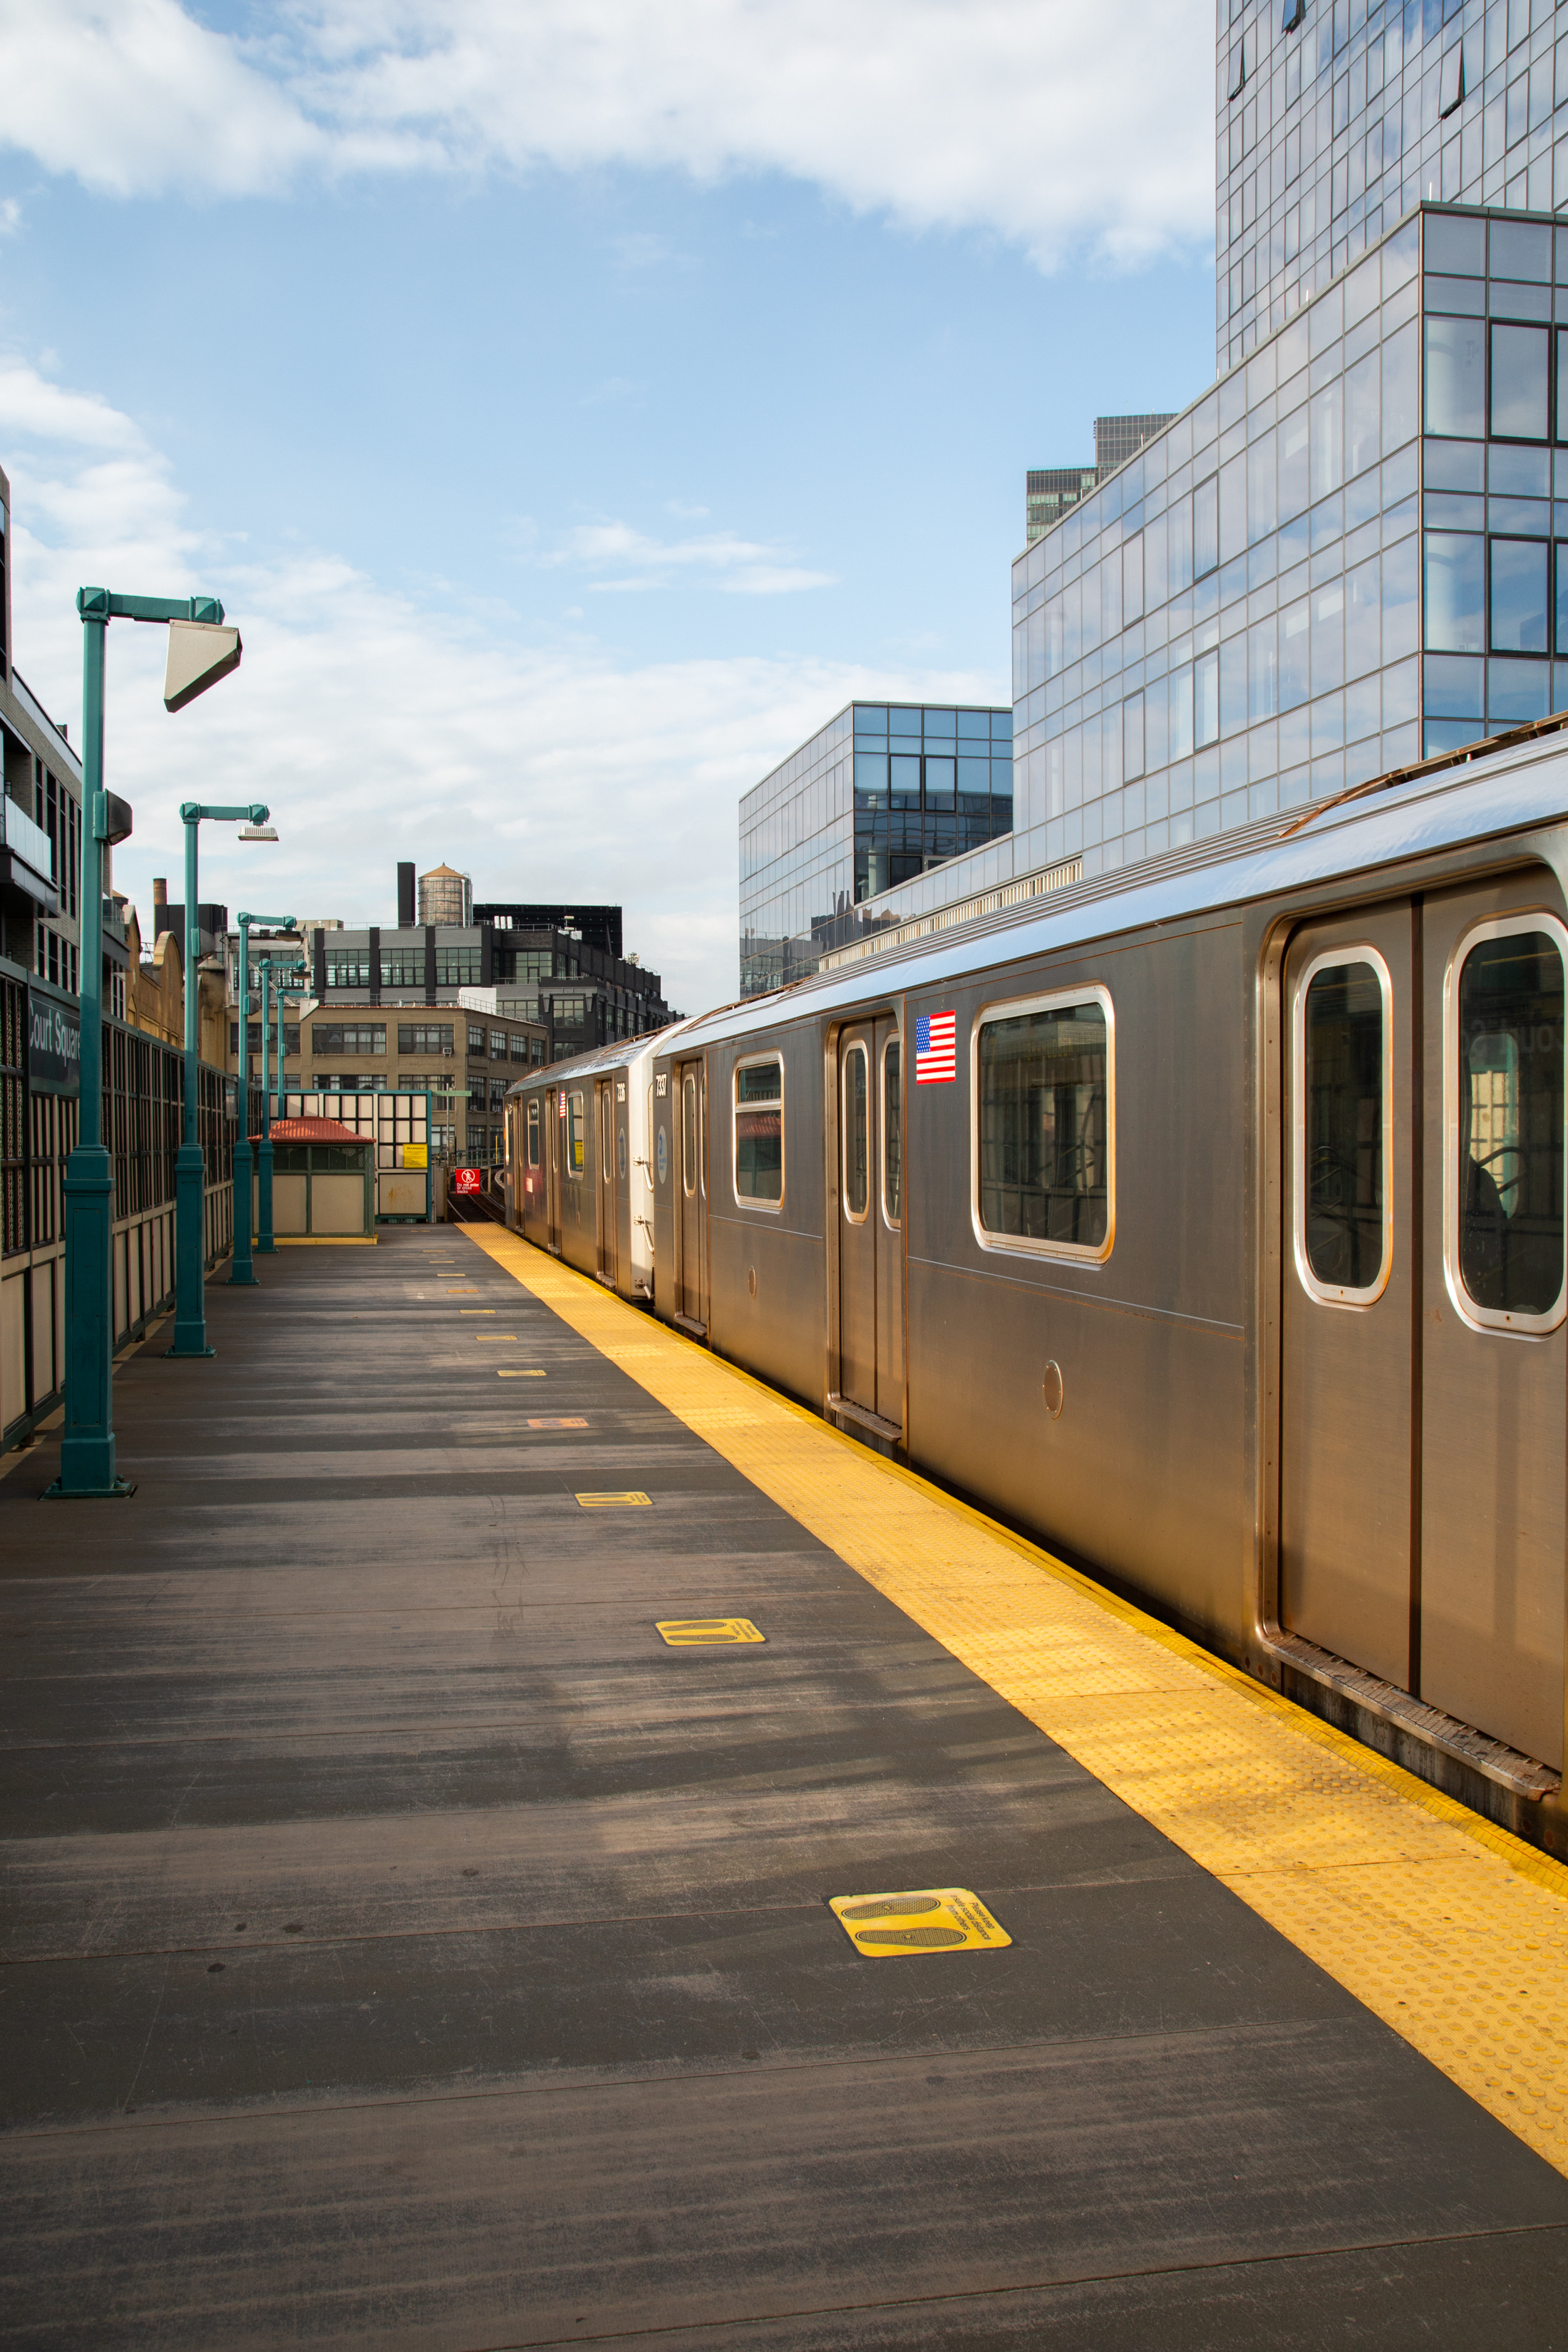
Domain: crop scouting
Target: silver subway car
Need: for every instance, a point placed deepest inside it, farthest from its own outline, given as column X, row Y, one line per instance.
column 580, row 1168
column 1209, row 1222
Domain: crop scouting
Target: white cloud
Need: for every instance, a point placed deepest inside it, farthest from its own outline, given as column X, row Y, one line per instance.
column 379, row 729
column 1054, row 125
column 10, row 216
column 632, row 560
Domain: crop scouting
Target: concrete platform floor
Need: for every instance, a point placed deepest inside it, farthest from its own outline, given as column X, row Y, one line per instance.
column 402, row 1948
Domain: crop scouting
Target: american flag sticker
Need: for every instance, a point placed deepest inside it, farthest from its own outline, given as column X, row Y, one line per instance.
column 936, row 1049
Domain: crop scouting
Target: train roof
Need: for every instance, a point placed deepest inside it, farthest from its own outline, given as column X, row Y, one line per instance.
column 1510, row 790
column 602, row 1060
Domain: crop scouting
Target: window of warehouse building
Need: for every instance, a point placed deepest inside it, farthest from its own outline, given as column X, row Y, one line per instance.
column 348, row 1037
column 403, row 967
column 425, row 1037
column 476, row 1038
column 498, row 1044
column 348, row 968
column 456, row 967
column 520, row 1045
column 349, row 1082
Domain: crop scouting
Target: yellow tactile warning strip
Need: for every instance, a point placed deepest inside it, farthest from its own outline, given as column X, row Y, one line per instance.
column 1453, row 1932
column 692, row 1632
column 936, row 1919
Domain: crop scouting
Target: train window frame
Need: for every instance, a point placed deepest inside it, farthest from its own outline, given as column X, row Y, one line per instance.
column 534, row 1152
column 749, row 1201
column 856, row 1046
column 1495, row 1321
column 648, row 1141
column 1328, row 1293
column 892, row 1043
column 1017, row 1008
column 576, row 1136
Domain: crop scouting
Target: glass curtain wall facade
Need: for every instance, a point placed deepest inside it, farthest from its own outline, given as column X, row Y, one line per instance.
column 1334, row 119
column 1343, row 559
column 883, row 794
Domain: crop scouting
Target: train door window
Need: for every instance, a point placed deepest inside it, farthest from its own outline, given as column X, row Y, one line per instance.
column 689, row 1132
column 1344, row 1121
column 855, row 1115
column 533, row 1132
column 647, row 1140
column 1043, row 1133
column 575, row 1145
column 1503, row 1239
column 621, row 1152
column 605, row 1116
column 893, row 1133
column 759, row 1132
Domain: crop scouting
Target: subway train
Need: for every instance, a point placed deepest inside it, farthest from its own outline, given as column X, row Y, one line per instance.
column 1205, row 1221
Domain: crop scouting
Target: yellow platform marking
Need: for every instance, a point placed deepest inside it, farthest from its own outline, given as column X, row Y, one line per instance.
column 569, row 1421
column 475, row 1310
column 1452, row 1931
column 631, row 1500
column 491, row 1338
column 936, row 1919
column 520, row 1376
column 686, row 1633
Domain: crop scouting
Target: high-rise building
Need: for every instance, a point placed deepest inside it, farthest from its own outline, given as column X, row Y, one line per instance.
column 1049, row 492
column 446, row 897
column 1334, row 120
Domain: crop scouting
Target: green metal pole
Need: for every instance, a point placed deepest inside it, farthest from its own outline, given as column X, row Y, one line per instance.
column 190, row 1172
column 243, row 1270
column 87, row 1445
column 264, row 1244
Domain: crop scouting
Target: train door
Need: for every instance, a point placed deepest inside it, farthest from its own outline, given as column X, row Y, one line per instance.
column 691, row 1202
column 1494, row 1358
column 605, row 1121
column 555, row 1120
column 870, row 1220
column 1422, row 1506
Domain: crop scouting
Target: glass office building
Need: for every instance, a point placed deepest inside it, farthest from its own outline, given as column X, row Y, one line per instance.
column 1334, row 119
column 885, row 793
column 1339, row 561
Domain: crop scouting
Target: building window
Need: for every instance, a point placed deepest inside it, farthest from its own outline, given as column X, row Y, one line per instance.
column 425, row 1037
column 348, row 968
column 1044, row 1171
column 1455, row 565
column 349, row 1082
column 476, row 1038
column 403, row 967
column 456, row 967
column 498, row 1044
column 1519, row 371
column 348, row 1037
column 1518, row 615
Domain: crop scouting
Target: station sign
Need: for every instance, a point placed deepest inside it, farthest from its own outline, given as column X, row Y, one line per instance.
column 467, row 1181
column 54, row 1045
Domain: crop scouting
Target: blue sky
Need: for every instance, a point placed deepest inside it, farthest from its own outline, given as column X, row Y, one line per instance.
column 565, row 450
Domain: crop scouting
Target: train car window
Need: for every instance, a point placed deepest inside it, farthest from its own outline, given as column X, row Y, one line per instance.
column 893, row 1132
column 533, row 1132
column 647, row 1140
column 621, row 1152
column 605, row 1141
column 575, row 1140
column 855, row 1115
column 1044, row 1127
column 759, row 1132
column 1504, row 1239
column 1343, row 1127
column 689, row 1132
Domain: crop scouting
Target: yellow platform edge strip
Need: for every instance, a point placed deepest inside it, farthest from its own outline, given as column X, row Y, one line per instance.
column 1451, row 1930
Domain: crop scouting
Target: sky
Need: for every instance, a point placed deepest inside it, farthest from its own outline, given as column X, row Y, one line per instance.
column 574, row 402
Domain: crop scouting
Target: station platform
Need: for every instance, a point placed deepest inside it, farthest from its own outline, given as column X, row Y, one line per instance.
column 407, row 1943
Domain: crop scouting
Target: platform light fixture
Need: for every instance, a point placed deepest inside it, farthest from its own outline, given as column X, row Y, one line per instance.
column 197, row 659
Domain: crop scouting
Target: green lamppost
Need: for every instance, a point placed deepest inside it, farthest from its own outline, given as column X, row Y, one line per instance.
column 201, row 651
column 264, row 1244
column 244, row 1270
column 190, row 1167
